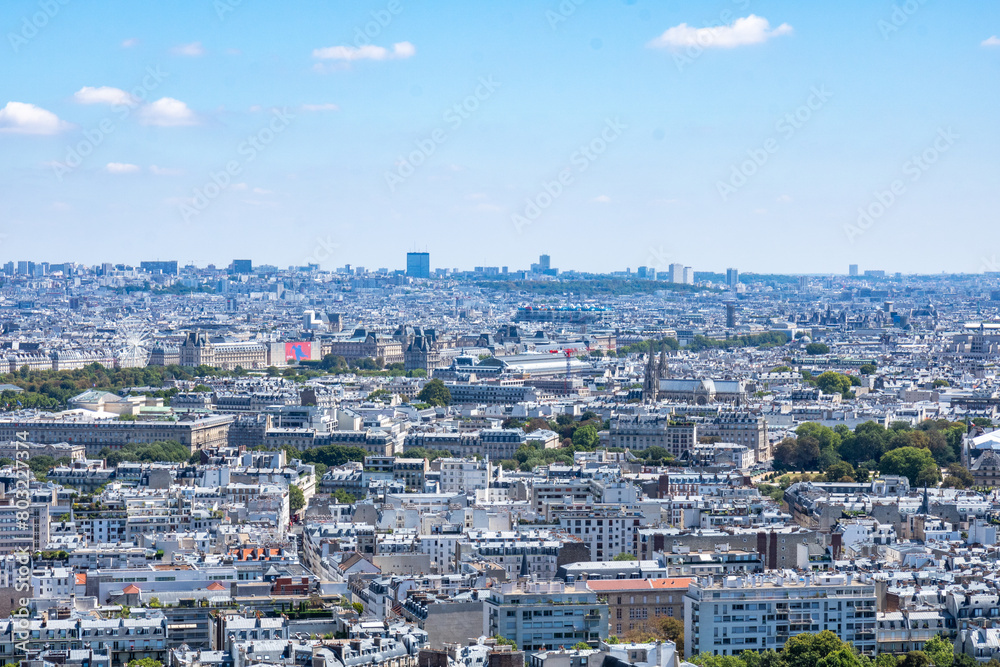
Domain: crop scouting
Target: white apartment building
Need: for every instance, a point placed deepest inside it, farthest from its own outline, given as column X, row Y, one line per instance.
column 728, row 615
column 608, row 530
column 53, row 582
column 464, row 475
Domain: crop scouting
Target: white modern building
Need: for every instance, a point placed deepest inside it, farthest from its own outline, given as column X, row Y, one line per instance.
column 728, row 615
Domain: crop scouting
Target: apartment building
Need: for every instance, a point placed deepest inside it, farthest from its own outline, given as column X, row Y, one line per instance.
column 545, row 616
column 96, row 434
column 363, row 344
column 645, row 431
column 18, row 534
column 634, row 603
column 741, row 429
column 727, row 615
column 608, row 530
column 464, row 475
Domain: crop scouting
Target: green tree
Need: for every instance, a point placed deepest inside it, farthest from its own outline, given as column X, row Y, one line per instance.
column 940, row 651
column 915, row 659
column 963, row 660
column 41, row 465
column 868, row 369
column 914, row 463
column 805, row 650
column 624, row 556
column 797, row 454
column 344, row 497
column 844, row 657
column 958, row 477
column 581, row 646
column 817, row 348
column 503, row 641
column 832, row 382
column 296, row 499
column 435, row 393
column 586, row 437
column 888, row 660
column 145, row 662
column 672, row 630
column 840, row 471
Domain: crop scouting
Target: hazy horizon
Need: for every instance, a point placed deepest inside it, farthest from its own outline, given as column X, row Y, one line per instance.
column 768, row 136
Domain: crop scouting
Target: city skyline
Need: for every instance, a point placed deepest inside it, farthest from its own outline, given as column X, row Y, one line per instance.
column 769, row 136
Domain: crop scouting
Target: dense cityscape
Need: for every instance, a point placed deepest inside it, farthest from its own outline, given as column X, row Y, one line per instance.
column 401, row 467
column 535, row 333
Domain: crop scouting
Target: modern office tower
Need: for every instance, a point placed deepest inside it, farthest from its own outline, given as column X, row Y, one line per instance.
column 677, row 273
column 730, row 315
column 418, row 264
column 732, row 277
column 853, row 270
column 688, row 275
column 242, row 266
column 545, row 262
column 166, row 268
column 803, row 283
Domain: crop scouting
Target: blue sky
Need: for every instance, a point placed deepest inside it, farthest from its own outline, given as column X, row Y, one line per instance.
column 607, row 134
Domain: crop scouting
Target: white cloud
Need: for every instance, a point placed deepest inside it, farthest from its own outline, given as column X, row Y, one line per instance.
column 602, row 199
column 103, row 95
column 320, row 107
column 23, row 118
column 991, row 41
column 741, row 32
column 239, row 186
column 165, row 171
column 168, row 112
column 193, row 50
column 130, row 42
column 369, row 52
column 262, row 191
column 784, row 198
column 122, row 168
